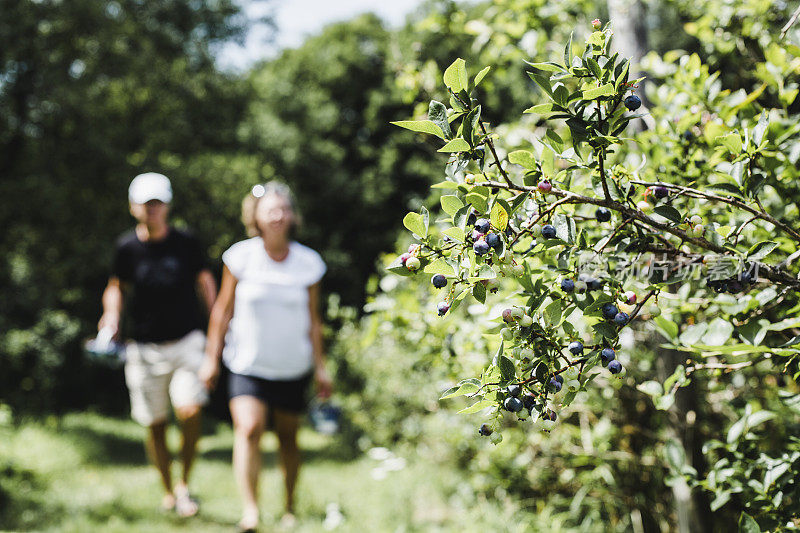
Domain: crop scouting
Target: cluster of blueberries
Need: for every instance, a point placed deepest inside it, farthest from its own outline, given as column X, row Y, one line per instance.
column 484, row 239
column 732, row 285
column 607, row 356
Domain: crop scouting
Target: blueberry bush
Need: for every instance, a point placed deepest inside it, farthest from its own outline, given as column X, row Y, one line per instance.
column 584, row 242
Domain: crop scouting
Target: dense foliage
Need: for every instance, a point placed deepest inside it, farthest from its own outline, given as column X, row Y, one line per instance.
column 701, row 424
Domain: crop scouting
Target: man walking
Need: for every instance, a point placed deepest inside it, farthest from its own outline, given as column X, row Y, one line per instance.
column 161, row 270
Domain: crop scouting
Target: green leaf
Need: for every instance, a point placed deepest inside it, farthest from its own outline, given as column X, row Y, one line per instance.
column 692, row 334
column 552, row 313
column 548, row 66
column 467, row 386
column 676, row 456
column 594, row 67
column 540, row 109
column 669, row 212
column 478, row 201
column 603, row 90
column 651, row 388
column 451, row 204
column 666, row 327
column 456, row 145
column 437, row 113
column 542, row 81
column 731, row 141
column 421, row 126
column 507, row 368
column 499, row 217
column 748, row 524
column 455, row 76
column 548, row 161
column 761, row 250
column 523, row 158
column 440, row 266
column 480, row 75
column 479, row 292
column 565, row 228
column 415, row 224
column 761, row 128
column 718, row 332
column 476, row 407
column 455, row 233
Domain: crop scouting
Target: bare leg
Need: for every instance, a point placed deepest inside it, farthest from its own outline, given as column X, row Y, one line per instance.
column 190, row 431
column 157, row 450
column 189, row 417
column 286, row 425
column 249, row 419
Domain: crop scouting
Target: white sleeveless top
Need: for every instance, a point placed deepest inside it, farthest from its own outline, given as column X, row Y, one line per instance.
column 269, row 334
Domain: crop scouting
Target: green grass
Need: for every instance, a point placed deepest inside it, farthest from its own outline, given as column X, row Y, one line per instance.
column 86, row 472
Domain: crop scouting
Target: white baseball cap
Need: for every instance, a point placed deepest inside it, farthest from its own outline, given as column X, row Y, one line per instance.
column 150, row 186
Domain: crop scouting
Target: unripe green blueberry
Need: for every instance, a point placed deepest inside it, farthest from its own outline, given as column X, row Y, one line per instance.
column 581, row 286
column 571, row 373
column 496, row 438
column 517, row 313
column 469, row 179
column 573, row 385
column 644, row 206
column 507, row 334
column 525, row 321
column 517, row 270
column 548, row 425
column 696, row 219
column 523, row 415
column 655, row 310
column 536, row 230
column 698, row 230
column 413, row 263
column 528, row 353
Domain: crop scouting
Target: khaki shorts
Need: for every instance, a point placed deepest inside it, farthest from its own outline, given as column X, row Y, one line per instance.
column 159, row 372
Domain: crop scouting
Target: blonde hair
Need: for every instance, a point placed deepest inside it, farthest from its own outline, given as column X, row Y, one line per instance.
column 250, row 203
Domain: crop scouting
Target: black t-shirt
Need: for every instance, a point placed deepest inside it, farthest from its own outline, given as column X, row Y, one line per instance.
column 161, row 275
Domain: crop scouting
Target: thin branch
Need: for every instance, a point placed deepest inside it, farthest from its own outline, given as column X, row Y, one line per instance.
column 792, row 20
column 730, row 201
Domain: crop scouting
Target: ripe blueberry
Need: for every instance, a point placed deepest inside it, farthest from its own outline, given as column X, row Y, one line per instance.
column 633, row 102
column 610, row 311
column 548, row 231
column 484, row 430
column 621, row 318
column 567, row 285
column 480, row 247
column 493, row 240
column 615, row 367
column 602, row 214
column 576, row 347
column 439, row 281
column 607, row 355
column 660, row 192
column 443, row 307
column 528, row 400
column 554, row 385
column 514, row 390
column 483, row 225
column 513, row 404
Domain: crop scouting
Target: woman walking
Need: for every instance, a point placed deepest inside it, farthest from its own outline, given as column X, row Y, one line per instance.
column 269, row 306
